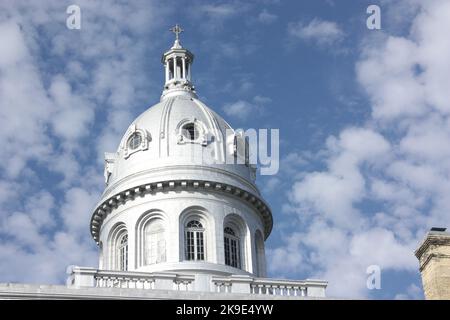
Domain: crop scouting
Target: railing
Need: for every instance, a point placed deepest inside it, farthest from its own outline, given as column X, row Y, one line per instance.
column 222, row 286
column 89, row 277
column 278, row 290
column 183, row 284
column 104, row 281
column 271, row 287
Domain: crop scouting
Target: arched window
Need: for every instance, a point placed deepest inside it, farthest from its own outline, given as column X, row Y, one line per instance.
column 122, row 252
column 195, row 241
column 155, row 242
column 232, row 248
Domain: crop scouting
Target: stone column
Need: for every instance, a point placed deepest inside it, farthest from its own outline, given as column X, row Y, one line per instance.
column 434, row 259
column 188, row 71
column 175, row 71
column 184, row 67
column 167, row 70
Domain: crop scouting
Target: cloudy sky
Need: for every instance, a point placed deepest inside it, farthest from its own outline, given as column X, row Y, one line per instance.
column 363, row 118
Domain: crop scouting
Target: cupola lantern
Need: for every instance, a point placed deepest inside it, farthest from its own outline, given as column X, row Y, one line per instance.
column 177, row 63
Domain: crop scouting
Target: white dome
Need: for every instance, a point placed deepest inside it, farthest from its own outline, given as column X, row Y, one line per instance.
column 178, row 182
column 164, row 159
column 164, row 152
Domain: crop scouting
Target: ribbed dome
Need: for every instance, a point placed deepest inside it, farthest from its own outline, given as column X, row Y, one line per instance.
column 163, row 149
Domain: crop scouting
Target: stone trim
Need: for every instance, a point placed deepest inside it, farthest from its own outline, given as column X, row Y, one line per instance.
column 103, row 209
column 432, row 239
column 431, row 257
column 127, row 178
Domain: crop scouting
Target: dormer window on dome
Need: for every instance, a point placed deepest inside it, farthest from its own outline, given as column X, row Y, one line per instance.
column 192, row 131
column 135, row 140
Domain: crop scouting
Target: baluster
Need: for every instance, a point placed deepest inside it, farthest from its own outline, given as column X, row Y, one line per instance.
column 260, row 288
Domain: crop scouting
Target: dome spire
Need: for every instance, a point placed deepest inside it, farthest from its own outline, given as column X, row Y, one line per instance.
column 177, row 63
column 177, row 30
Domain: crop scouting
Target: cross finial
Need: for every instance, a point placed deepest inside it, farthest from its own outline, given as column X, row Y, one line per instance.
column 177, row 30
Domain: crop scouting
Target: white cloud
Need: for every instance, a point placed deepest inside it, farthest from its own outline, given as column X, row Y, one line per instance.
column 16, row 49
column 271, row 185
column 386, row 183
column 334, row 193
column 413, row 292
column 266, row 17
column 39, row 207
column 242, row 109
column 218, row 11
column 261, row 100
column 73, row 115
column 379, row 246
column 77, row 208
column 319, row 31
column 58, row 90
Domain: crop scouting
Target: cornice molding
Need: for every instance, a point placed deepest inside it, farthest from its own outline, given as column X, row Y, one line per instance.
column 432, row 239
column 107, row 206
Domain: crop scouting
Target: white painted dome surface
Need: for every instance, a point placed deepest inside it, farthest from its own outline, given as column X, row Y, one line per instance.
column 166, row 158
column 179, row 163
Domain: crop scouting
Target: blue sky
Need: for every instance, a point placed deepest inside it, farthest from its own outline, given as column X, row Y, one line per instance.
column 363, row 119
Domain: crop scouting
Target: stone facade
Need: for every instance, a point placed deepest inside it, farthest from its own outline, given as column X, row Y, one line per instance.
column 434, row 258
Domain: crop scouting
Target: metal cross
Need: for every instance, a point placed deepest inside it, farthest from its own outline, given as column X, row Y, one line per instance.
column 177, row 30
